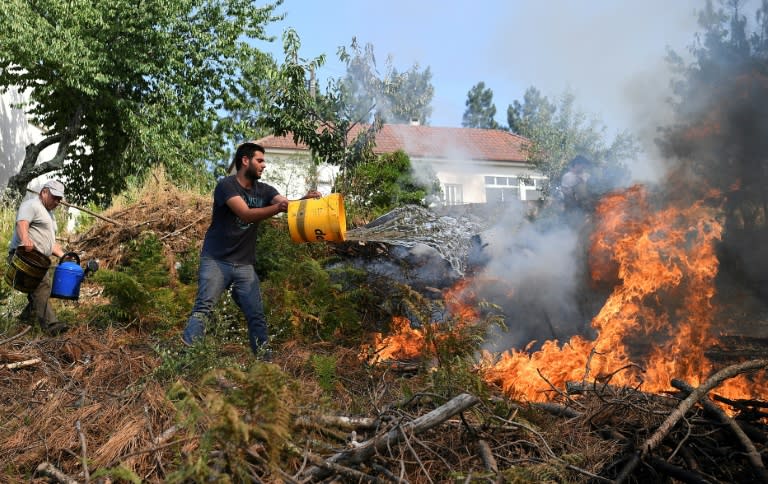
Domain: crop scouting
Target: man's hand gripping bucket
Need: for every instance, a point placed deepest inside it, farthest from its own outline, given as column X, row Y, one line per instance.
column 318, row 219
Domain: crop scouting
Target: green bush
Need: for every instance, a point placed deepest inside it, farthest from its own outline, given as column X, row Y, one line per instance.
column 140, row 291
column 387, row 182
column 310, row 302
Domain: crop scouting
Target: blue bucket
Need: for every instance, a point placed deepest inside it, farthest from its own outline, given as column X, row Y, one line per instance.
column 67, row 278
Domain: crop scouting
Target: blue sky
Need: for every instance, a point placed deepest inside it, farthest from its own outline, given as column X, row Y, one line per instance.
column 610, row 54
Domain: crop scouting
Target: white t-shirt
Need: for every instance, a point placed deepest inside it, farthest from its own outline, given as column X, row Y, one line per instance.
column 42, row 225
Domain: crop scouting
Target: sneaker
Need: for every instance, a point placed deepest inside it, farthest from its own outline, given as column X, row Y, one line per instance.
column 264, row 355
column 184, row 341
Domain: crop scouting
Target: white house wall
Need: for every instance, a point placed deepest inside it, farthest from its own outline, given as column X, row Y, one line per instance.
column 287, row 170
column 15, row 134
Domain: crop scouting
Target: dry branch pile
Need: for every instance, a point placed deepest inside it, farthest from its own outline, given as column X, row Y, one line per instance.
column 178, row 218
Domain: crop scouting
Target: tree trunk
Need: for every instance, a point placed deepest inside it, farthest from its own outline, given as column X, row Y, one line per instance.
column 30, row 169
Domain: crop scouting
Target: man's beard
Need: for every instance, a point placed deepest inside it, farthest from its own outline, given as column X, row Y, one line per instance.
column 251, row 173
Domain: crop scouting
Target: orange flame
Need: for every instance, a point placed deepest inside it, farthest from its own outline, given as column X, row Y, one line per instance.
column 406, row 342
column 663, row 265
column 659, row 263
column 403, row 344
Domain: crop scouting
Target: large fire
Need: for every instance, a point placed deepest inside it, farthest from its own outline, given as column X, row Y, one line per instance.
column 657, row 321
column 662, row 264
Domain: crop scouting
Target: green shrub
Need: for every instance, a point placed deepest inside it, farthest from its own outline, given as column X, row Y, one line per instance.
column 234, row 410
column 187, row 265
column 140, row 291
column 145, row 260
column 312, row 303
column 324, row 367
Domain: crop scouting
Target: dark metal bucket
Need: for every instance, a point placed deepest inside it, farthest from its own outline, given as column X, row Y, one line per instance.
column 26, row 269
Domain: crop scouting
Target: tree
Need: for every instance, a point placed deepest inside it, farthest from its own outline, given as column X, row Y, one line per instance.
column 324, row 121
column 123, row 85
column 720, row 135
column 481, row 111
column 535, row 110
column 559, row 131
column 396, row 97
column 409, row 95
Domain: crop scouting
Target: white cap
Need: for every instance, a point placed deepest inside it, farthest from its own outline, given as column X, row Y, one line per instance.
column 55, row 187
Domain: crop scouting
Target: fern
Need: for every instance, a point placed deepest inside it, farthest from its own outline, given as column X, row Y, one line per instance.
column 325, row 370
column 127, row 294
column 237, row 410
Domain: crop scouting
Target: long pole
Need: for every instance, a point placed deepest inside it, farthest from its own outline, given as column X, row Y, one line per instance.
column 67, row 204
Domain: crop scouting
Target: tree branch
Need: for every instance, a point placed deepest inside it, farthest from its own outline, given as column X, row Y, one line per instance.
column 368, row 448
column 682, row 409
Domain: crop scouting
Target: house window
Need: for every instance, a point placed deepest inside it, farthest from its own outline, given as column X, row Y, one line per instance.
column 502, row 188
column 532, row 187
column 453, row 194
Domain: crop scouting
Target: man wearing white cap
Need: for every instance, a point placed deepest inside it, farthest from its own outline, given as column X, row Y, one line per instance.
column 36, row 230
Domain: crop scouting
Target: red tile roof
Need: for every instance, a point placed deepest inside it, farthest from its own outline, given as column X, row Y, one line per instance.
column 433, row 142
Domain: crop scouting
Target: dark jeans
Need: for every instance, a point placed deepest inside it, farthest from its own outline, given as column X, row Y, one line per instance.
column 38, row 308
column 213, row 279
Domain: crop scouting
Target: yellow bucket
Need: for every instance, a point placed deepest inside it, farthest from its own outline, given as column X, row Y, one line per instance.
column 317, row 219
column 26, row 270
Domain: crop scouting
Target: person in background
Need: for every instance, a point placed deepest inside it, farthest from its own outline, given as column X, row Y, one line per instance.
column 35, row 229
column 574, row 184
column 228, row 256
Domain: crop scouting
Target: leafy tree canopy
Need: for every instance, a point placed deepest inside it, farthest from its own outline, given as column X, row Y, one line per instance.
column 481, row 111
column 124, row 85
column 321, row 120
column 558, row 131
column 395, row 97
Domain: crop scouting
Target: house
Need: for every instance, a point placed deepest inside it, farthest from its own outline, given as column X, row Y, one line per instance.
column 472, row 165
column 16, row 132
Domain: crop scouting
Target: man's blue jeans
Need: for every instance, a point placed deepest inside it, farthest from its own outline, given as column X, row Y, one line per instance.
column 214, row 278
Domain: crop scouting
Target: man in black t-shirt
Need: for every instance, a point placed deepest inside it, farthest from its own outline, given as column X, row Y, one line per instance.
column 240, row 202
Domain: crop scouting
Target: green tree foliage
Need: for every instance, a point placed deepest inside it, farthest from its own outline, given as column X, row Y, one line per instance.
column 323, row 121
column 481, row 111
column 125, row 85
column 395, row 98
column 379, row 185
column 559, row 131
column 409, row 95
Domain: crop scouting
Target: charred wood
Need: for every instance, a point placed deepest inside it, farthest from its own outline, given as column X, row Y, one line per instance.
column 367, row 449
column 605, row 391
column 557, row 409
column 752, row 454
column 749, row 408
column 683, row 408
column 687, row 476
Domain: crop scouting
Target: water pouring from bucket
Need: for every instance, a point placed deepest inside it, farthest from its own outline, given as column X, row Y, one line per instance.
column 318, row 219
